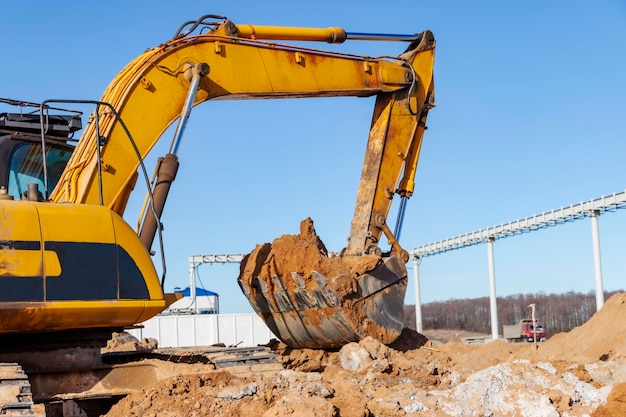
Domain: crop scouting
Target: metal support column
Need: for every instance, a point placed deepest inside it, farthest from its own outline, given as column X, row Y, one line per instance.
column 492, row 289
column 192, row 284
column 597, row 262
column 418, row 301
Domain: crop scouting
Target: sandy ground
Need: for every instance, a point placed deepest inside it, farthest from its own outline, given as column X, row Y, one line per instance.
column 579, row 373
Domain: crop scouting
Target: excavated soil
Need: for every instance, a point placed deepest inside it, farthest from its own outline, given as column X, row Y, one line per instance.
column 579, row 373
column 125, row 342
column 302, row 254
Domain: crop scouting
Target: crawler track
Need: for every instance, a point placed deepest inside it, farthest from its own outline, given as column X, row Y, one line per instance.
column 16, row 399
column 235, row 360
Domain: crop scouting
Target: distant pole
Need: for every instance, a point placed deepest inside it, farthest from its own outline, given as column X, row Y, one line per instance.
column 532, row 316
column 192, row 283
column 597, row 262
column 492, row 289
column 418, row 302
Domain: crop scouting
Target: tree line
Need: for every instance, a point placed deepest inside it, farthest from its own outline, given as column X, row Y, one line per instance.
column 558, row 312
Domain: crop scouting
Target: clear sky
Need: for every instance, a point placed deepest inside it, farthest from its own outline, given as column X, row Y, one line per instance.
column 531, row 105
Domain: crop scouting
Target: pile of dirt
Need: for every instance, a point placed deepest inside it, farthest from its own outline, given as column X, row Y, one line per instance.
column 580, row 373
column 602, row 338
column 125, row 342
column 303, row 253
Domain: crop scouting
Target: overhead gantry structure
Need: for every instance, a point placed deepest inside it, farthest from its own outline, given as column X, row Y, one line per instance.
column 592, row 209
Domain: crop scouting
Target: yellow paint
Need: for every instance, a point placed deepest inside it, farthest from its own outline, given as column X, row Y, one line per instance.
column 285, row 33
column 61, row 315
column 27, row 263
column 26, row 221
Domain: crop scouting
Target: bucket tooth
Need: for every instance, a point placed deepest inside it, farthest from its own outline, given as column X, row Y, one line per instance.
column 281, row 298
column 325, row 296
column 301, row 297
column 264, row 299
column 248, row 294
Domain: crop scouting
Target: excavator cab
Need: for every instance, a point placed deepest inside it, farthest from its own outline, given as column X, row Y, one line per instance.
column 22, row 155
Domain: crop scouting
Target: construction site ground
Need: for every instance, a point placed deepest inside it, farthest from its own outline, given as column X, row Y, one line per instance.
column 578, row 373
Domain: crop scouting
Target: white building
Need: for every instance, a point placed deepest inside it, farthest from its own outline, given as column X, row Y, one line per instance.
column 198, row 301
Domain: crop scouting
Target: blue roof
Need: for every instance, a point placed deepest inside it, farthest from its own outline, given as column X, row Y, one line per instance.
column 199, row 292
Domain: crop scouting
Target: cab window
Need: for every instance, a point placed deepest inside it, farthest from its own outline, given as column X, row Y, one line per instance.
column 26, row 167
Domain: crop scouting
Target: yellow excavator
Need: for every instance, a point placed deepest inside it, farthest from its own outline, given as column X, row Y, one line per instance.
column 72, row 271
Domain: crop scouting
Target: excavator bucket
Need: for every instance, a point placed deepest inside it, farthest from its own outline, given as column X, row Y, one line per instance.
column 311, row 300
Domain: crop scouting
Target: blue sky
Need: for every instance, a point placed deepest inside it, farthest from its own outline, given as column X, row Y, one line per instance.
column 531, row 101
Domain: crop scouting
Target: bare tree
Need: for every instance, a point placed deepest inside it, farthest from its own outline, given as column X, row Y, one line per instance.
column 558, row 312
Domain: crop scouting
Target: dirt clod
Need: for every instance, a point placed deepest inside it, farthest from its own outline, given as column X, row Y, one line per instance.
column 125, row 342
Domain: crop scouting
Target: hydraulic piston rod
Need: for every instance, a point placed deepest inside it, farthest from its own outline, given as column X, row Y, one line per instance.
column 330, row 35
column 168, row 166
column 359, row 36
column 197, row 72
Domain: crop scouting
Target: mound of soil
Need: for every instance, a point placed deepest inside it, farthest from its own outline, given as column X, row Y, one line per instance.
column 601, row 338
column 125, row 342
column 579, row 373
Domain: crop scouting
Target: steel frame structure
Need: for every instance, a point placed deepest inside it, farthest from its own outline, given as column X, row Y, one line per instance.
column 591, row 208
column 197, row 260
